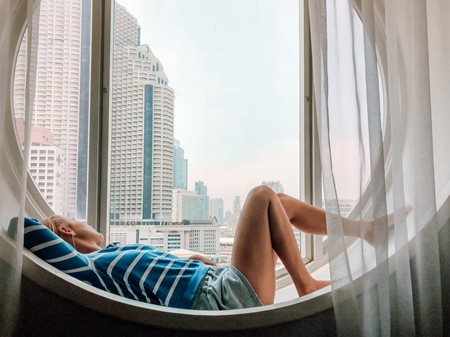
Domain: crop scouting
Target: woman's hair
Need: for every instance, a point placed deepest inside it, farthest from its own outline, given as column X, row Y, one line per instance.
column 53, row 223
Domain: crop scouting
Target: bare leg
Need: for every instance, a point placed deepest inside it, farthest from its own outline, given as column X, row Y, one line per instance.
column 263, row 228
column 312, row 220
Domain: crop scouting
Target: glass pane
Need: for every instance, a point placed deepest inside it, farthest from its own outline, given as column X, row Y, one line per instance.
column 59, row 134
column 204, row 106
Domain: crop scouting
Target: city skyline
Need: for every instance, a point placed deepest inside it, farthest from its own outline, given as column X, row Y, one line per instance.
column 234, row 67
column 127, row 39
column 149, row 181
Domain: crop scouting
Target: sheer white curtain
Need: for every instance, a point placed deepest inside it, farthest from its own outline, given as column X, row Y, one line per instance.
column 13, row 167
column 381, row 79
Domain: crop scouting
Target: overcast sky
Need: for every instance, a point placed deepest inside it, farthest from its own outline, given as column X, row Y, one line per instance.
column 234, row 66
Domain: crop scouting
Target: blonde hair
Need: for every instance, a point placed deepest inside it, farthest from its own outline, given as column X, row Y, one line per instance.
column 53, row 223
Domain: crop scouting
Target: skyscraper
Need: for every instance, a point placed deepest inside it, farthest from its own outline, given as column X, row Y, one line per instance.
column 188, row 205
column 180, row 167
column 236, row 211
column 141, row 129
column 58, row 100
column 201, row 189
column 216, row 209
column 228, row 219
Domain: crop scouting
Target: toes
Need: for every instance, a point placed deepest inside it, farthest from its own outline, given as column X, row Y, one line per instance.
column 408, row 208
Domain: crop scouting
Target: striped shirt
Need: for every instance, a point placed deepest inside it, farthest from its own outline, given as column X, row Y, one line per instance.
column 138, row 272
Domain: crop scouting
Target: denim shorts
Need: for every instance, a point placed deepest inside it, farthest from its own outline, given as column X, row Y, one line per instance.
column 224, row 288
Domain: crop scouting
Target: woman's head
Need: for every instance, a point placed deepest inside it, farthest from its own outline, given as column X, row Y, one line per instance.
column 53, row 223
column 81, row 236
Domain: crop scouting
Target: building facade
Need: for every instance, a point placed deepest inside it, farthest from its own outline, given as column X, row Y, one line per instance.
column 180, row 167
column 202, row 189
column 199, row 236
column 188, row 205
column 46, row 164
column 236, row 212
column 226, row 249
column 228, row 219
column 216, row 209
column 58, row 100
column 141, row 129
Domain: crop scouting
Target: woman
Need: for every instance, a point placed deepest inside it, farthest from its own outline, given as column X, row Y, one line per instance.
column 263, row 233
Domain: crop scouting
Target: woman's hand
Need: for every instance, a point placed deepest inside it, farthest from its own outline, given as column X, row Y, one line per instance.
column 203, row 259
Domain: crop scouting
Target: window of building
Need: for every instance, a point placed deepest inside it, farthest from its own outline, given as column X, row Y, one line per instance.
column 187, row 157
column 175, row 124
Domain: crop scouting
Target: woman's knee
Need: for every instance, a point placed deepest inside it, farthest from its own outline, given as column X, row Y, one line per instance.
column 282, row 196
column 284, row 199
column 261, row 192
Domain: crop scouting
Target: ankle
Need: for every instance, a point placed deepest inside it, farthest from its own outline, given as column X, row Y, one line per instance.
column 369, row 235
column 312, row 286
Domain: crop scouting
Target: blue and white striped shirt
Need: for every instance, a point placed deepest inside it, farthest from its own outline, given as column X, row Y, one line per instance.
column 146, row 274
column 138, row 272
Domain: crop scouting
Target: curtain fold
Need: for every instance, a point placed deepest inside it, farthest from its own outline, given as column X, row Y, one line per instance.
column 12, row 202
column 378, row 109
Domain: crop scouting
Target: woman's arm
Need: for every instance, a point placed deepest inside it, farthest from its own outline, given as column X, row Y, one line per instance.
column 203, row 259
column 186, row 254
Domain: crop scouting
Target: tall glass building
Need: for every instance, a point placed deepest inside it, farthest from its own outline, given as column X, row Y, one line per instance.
column 202, row 189
column 141, row 129
column 188, row 205
column 180, row 167
column 216, row 209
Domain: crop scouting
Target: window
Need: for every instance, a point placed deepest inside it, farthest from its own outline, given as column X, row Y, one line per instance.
column 347, row 158
column 59, row 132
column 196, row 139
column 188, row 118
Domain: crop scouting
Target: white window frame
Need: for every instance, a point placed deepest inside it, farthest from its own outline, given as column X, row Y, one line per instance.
column 99, row 134
column 100, row 98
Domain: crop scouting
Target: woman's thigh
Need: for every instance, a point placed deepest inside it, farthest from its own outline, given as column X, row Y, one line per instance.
column 252, row 250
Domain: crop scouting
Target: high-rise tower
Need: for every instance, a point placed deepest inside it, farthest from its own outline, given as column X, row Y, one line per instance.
column 236, row 212
column 202, row 189
column 216, row 209
column 188, row 205
column 59, row 101
column 180, row 167
column 141, row 129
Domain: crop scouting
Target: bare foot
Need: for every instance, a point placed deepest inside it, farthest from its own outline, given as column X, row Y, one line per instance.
column 313, row 286
column 369, row 235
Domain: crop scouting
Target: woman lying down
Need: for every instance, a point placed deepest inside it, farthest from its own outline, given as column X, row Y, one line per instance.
column 263, row 233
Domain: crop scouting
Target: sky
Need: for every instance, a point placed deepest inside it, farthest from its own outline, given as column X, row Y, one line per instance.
column 234, row 67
